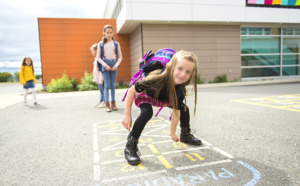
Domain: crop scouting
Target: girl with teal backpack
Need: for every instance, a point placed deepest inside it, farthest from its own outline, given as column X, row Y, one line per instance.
column 164, row 87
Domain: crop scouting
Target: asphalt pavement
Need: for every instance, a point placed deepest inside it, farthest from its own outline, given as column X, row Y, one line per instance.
column 250, row 132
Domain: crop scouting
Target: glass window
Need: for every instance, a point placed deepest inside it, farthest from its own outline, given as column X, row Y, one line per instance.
column 291, row 31
column 118, row 9
column 291, row 45
column 291, row 71
column 243, row 31
column 259, row 45
column 260, row 72
column 261, row 60
column 262, row 52
column 260, row 31
column 291, row 59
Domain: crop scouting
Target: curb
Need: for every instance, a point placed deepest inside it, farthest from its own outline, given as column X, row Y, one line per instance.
column 248, row 83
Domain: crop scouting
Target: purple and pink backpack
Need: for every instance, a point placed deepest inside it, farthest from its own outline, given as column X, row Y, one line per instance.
column 150, row 62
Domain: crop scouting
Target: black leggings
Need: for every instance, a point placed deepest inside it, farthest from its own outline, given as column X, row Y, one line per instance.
column 146, row 115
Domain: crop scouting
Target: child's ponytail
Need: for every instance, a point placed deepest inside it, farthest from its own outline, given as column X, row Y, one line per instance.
column 195, row 89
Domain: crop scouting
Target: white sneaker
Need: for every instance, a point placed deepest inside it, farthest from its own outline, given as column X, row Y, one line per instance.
column 97, row 104
column 36, row 103
column 101, row 105
column 25, row 103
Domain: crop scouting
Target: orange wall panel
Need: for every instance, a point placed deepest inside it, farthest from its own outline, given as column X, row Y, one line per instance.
column 65, row 47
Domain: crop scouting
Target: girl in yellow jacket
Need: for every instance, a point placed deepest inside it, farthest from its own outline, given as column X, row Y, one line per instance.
column 27, row 78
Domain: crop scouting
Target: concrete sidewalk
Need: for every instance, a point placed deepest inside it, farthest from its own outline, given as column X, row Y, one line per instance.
column 8, row 99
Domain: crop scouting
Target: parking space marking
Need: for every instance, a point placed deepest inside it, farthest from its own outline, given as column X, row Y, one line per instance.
column 161, row 159
column 289, row 102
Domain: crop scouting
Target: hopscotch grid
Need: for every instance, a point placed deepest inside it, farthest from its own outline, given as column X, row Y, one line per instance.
column 97, row 168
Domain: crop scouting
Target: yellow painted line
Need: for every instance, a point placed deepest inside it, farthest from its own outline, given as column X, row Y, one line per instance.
column 266, row 97
column 154, row 150
column 199, row 157
column 297, row 105
column 179, row 145
column 141, row 166
column 119, row 153
column 258, row 104
column 249, row 101
column 190, row 157
column 164, row 161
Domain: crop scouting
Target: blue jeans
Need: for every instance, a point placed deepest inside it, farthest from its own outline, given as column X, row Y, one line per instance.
column 110, row 78
column 100, row 87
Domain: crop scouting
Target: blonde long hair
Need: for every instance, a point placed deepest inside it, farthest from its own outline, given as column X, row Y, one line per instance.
column 104, row 39
column 156, row 79
column 24, row 63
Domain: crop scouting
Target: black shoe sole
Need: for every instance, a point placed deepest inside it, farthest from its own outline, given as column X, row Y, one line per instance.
column 133, row 162
column 187, row 142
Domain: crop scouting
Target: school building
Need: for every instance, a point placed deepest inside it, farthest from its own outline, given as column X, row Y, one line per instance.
column 244, row 39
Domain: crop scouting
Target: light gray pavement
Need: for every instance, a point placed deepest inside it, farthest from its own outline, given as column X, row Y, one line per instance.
column 250, row 136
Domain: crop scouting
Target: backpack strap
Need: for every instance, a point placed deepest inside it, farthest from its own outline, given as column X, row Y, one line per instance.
column 102, row 50
column 116, row 47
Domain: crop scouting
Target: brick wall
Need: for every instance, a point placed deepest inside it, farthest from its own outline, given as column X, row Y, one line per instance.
column 65, row 46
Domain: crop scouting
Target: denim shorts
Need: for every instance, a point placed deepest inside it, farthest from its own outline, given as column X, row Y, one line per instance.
column 29, row 84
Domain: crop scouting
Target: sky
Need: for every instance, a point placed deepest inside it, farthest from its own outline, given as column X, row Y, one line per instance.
column 19, row 27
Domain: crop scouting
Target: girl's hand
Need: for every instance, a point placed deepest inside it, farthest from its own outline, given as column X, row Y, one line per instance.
column 24, row 84
column 108, row 68
column 127, row 121
column 175, row 137
column 114, row 68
